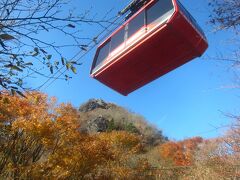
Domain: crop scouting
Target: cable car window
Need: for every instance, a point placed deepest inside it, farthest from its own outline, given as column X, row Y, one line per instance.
column 103, row 53
column 159, row 11
column 136, row 23
column 117, row 39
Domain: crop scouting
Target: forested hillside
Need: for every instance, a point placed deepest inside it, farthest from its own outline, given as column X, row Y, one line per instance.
column 99, row 116
column 41, row 139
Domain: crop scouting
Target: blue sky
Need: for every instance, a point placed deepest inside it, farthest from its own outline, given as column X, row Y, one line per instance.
column 189, row 101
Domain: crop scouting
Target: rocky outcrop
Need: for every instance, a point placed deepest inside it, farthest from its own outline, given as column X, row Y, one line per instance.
column 99, row 124
column 100, row 116
column 93, row 104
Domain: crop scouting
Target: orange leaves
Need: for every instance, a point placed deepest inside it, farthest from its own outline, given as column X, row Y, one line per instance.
column 79, row 157
column 67, row 117
column 180, row 153
column 121, row 138
column 174, row 152
column 192, row 143
column 15, row 107
column 122, row 142
column 45, row 142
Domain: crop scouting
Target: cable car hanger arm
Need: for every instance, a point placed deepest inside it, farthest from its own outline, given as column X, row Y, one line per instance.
column 133, row 7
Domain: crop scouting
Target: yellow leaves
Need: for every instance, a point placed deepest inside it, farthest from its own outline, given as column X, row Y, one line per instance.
column 18, row 107
column 121, row 139
column 79, row 157
column 63, row 152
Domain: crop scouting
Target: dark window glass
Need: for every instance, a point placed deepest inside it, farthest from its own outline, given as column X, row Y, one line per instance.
column 136, row 23
column 103, row 53
column 191, row 18
column 158, row 10
column 117, row 39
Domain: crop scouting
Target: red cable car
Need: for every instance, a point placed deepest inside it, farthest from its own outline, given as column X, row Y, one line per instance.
column 158, row 38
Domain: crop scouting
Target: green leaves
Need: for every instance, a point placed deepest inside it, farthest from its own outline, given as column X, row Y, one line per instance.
column 49, row 57
column 71, row 25
column 67, row 77
column 13, row 67
column 51, row 69
column 74, row 70
column 69, row 65
column 6, row 37
column 28, row 64
column 63, row 61
column 36, row 52
column 16, row 68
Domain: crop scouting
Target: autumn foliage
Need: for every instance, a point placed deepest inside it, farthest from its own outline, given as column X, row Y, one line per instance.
column 41, row 139
column 180, row 153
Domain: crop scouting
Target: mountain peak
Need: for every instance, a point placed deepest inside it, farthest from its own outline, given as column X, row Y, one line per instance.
column 93, row 104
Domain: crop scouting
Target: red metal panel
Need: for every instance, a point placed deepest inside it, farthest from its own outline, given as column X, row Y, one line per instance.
column 164, row 50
